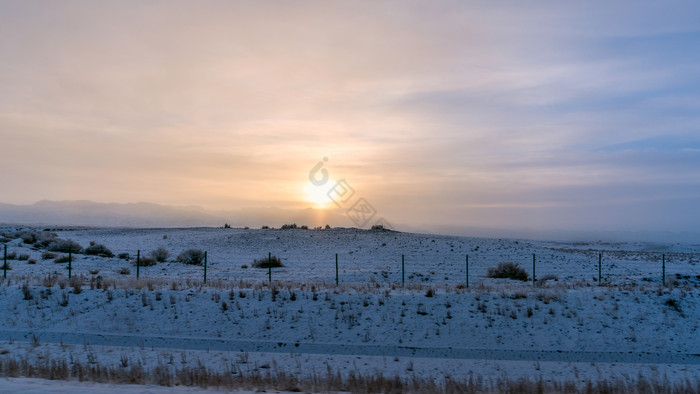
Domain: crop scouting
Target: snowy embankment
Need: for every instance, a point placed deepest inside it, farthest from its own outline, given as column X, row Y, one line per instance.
column 567, row 328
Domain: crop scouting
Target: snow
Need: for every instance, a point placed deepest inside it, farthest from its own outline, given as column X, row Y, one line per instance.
column 568, row 328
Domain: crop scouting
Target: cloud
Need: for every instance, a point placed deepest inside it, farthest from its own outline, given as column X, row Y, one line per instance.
column 448, row 112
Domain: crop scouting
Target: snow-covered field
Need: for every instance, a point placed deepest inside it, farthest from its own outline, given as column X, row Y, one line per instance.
column 568, row 328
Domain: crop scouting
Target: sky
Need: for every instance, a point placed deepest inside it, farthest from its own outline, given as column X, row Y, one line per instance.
column 495, row 114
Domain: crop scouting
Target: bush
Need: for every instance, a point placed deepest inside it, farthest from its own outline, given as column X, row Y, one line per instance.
column 6, row 266
column 123, row 256
column 96, row 249
column 124, row 271
column 41, row 238
column 160, row 254
column 191, row 256
column 379, row 227
column 61, row 259
column 288, row 226
column 508, row 271
column 31, row 261
column 11, row 256
column 65, row 246
column 48, row 255
column 146, row 261
column 265, row 262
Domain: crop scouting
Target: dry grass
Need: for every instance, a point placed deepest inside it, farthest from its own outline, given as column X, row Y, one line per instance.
column 236, row 378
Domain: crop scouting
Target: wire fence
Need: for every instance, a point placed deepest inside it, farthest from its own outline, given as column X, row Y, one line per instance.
column 361, row 258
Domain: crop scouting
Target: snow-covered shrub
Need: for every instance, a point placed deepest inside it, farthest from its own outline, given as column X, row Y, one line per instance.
column 191, row 256
column 65, row 246
column 509, row 271
column 160, row 254
column 266, row 262
column 41, row 238
column 96, row 249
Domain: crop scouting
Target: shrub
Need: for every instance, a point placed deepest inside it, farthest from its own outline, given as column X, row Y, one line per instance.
column 41, row 238
column 123, row 256
column 191, row 256
column 288, row 226
column 124, row 271
column 11, row 256
column 48, row 255
column 6, row 266
column 160, row 254
column 31, row 261
column 146, row 261
column 61, row 259
column 266, row 262
column 65, row 246
column 23, row 257
column 378, row 227
column 507, row 270
column 96, row 249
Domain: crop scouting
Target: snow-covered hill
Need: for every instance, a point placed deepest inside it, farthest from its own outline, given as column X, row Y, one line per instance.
column 568, row 327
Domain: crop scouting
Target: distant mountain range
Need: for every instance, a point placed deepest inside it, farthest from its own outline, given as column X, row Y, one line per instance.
column 93, row 214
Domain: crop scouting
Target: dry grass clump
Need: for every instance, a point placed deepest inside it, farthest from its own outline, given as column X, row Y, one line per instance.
column 48, row 256
column 508, row 270
column 268, row 262
column 61, row 259
column 145, row 261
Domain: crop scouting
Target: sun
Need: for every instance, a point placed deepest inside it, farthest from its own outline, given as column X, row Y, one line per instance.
column 316, row 195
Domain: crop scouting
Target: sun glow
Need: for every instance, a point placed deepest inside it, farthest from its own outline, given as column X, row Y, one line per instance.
column 317, row 196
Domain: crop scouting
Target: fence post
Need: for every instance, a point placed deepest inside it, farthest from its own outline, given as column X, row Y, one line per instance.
column 663, row 269
column 403, row 272
column 600, row 263
column 70, row 261
column 336, row 269
column 205, row 267
column 269, row 266
column 4, row 265
column 533, row 268
column 467, row 270
column 138, row 262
